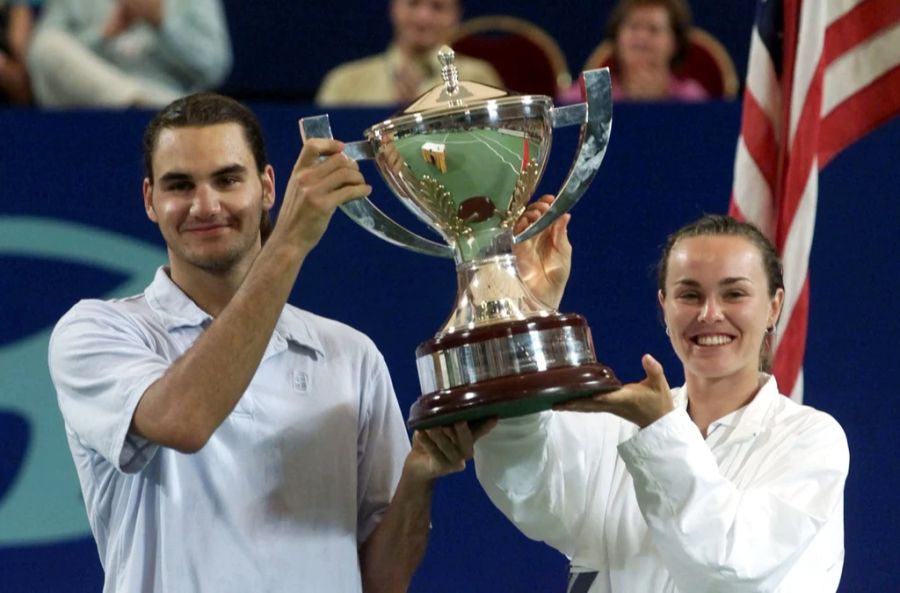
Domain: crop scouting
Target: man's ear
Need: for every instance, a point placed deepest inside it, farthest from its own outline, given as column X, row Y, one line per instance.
column 148, row 200
column 268, row 186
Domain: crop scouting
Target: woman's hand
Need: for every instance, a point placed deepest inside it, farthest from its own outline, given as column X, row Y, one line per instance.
column 642, row 403
column 545, row 260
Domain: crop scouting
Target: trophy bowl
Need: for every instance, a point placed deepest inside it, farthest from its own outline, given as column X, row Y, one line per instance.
column 466, row 159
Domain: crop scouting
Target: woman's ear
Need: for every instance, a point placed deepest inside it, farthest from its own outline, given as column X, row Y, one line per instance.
column 775, row 306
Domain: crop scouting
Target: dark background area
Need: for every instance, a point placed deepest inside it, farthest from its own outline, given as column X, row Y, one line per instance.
column 283, row 49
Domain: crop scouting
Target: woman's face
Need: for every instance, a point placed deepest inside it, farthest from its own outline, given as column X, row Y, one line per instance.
column 645, row 38
column 717, row 305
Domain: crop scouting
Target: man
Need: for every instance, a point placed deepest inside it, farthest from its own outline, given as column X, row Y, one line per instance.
column 127, row 53
column 225, row 440
column 410, row 66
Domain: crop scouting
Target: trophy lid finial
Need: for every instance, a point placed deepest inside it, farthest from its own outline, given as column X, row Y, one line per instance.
column 449, row 72
column 453, row 93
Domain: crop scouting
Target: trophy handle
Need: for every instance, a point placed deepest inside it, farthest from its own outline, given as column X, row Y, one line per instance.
column 363, row 211
column 595, row 117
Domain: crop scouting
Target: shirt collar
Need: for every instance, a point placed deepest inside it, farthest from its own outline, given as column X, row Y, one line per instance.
column 176, row 310
column 745, row 422
column 750, row 420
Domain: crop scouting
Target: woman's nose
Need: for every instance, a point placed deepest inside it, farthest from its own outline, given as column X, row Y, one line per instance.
column 711, row 311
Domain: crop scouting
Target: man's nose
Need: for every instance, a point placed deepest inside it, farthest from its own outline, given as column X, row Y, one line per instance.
column 206, row 202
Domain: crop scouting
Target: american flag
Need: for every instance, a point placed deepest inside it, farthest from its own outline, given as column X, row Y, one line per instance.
column 822, row 73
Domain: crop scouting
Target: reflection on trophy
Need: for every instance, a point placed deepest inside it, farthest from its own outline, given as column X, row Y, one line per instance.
column 466, row 158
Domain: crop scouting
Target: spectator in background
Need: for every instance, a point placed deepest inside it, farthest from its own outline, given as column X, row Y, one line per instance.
column 127, row 53
column 649, row 39
column 410, row 66
column 16, row 19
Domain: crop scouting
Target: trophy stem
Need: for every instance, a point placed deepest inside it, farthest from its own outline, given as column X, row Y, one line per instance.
column 490, row 290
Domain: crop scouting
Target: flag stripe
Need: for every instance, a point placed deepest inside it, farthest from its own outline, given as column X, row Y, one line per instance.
column 755, row 200
column 859, row 24
column 762, row 83
column 802, row 157
column 759, row 139
column 792, row 346
column 861, row 66
column 831, row 73
column 859, row 115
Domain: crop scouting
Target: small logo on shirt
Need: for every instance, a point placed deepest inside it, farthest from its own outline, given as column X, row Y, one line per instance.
column 300, row 382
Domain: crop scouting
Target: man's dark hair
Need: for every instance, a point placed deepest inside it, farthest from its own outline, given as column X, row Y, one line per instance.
column 208, row 109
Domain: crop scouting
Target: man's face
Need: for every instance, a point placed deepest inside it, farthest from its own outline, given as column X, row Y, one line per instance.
column 207, row 197
column 422, row 25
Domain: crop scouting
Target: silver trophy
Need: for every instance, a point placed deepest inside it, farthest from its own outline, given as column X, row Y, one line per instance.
column 466, row 158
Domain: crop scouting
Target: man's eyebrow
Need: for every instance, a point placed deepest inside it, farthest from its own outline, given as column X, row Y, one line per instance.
column 235, row 169
column 175, row 176
column 230, row 170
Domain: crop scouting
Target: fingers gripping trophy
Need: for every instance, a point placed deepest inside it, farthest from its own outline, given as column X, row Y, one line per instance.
column 466, row 158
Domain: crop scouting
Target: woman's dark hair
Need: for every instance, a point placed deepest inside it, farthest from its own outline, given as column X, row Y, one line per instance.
column 208, row 109
column 718, row 225
column 679, row 19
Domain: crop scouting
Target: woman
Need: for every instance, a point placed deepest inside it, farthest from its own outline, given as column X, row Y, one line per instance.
column 720, row 485
column 649, row 40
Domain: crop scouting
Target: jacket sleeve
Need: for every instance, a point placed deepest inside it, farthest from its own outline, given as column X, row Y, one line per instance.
column 542, row 471
column 714, row 534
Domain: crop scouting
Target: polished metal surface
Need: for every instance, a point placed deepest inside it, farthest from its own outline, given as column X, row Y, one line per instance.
column 490, row 291
column 466, row 159
column 468, row 172
column 363, row 211
column 595, row 130
column 449, row 72
column 509, row 355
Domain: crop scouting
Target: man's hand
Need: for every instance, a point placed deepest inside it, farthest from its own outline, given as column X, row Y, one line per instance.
column 545, row 260
column 642, row 403
column 322, row 179
column 444, row 450
column 126, row 13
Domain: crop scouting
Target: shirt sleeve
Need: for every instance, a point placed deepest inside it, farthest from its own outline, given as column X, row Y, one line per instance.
column 381, row 451
column 101, row 365
column 714, row 534
column 194, row 40
column 543, row 470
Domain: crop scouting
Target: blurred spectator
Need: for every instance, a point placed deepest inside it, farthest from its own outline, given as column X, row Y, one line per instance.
column 649, row 38
column 16, row 17
column 410, row 66
column 127, row 53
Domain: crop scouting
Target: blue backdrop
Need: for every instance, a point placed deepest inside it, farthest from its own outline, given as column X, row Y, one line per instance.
column 72, row 226
column 283, row 49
